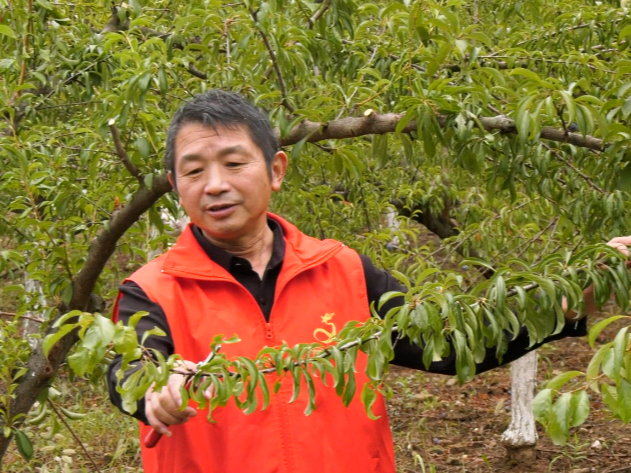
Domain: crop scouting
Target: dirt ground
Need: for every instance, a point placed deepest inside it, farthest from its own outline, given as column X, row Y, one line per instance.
column 441, row 426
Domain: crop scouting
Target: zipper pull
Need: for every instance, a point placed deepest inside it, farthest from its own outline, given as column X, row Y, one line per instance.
column 269, row 334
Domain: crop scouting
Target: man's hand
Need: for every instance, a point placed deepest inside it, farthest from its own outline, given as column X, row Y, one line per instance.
column 163, row 408
column 622, row 245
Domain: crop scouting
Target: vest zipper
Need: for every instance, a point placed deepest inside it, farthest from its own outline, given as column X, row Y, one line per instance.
column 269, row 333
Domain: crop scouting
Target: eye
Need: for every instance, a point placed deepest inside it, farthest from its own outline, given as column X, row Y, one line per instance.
column 193, row 172
column 233, row 164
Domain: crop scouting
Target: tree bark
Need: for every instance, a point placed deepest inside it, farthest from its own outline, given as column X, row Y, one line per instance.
column 378, row 124
column 521, row 436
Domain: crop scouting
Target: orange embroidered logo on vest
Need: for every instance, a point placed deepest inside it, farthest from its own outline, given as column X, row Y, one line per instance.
column 329, row 336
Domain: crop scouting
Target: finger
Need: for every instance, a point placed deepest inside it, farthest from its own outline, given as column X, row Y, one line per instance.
column 174, row 385
column 167, row 412
column 621, row 244
column 622, row 248
column 176, row 397
column 172, row 408
column 168, row 418
column 154, row 422
column 625, row 240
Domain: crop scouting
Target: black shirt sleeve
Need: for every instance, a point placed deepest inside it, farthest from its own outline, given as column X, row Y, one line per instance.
column 406, row 354
column 133, row 299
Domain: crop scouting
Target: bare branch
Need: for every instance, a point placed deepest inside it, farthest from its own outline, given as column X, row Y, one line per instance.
column 122, row 154
column 272, row 54
column 74, row 435
column 10, row 315
column 318, row 14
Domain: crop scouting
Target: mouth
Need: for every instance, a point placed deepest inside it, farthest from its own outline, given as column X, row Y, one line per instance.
column 220, row 209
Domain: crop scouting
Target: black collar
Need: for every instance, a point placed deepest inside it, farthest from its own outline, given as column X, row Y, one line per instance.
column 228, row 261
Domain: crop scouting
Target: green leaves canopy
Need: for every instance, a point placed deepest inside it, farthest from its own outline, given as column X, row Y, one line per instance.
column 462, row 116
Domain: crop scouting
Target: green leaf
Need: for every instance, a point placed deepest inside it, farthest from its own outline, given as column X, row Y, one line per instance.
column 349, row 389
column 542, row 405
column 71, row 415
column 559, row 381
column 25, row 447
column 593, row 369
column 134, row 319
column 626, row 31
column 559, row 425
column 368, row 398
column 600, row 326
column 52, row 339
column 7, row 31
column 579, row 408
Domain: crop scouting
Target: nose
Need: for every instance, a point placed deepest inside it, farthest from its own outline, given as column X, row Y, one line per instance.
column 216, row 181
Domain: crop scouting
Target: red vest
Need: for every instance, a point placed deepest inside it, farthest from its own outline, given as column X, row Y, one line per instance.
column 201, row 299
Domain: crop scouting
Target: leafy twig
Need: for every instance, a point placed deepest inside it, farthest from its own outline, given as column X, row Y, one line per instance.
column 569, row 164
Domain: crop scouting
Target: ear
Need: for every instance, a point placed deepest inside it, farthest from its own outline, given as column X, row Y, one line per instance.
column 172, row 182
column 279, row 168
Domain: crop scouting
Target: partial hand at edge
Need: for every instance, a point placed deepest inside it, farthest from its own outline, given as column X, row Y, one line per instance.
column 622, row 245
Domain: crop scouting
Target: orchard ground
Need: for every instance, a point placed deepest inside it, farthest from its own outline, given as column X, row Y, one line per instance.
column 452, row 428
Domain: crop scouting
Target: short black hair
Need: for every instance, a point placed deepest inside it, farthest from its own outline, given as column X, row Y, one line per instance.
column 220, row 109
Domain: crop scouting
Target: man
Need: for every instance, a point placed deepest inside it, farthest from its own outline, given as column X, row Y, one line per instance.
column 239, row 270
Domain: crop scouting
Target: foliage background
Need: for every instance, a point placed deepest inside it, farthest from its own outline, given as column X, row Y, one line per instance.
column 500, row 127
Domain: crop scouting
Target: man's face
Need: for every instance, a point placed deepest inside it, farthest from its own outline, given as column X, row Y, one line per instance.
column 223, row 181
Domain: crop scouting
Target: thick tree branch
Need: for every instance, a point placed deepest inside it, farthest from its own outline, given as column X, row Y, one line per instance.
column 196, row 72
column 114, row 23
column 104, row 244
column 40, row 368
column 439, row 224
column 122, row 154
column 379, row 124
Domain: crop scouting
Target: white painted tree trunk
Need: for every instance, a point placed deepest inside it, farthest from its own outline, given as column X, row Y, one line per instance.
column 393, row 224
column 33, row 292
column 521, row 435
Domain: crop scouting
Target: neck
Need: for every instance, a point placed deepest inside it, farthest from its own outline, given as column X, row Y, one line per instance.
column 256, row 247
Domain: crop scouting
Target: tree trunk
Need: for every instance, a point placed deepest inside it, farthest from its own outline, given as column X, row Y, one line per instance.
column 521, row 436
column 393, row 224
column 33, row 289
